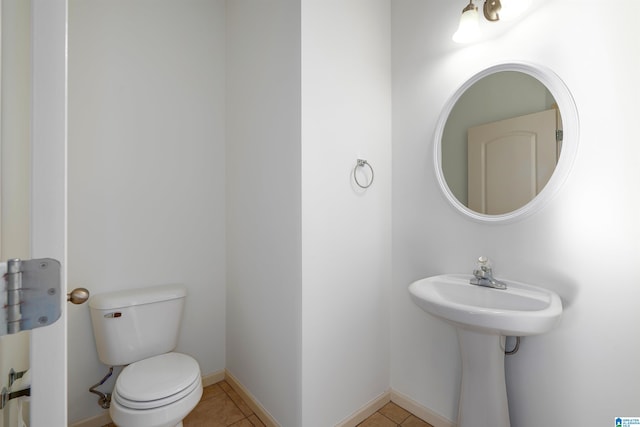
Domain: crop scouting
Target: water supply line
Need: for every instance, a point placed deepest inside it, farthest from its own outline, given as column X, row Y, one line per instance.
column 105, row 398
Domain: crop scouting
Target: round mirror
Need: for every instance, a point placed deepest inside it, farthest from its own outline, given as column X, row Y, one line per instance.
column 505, row 141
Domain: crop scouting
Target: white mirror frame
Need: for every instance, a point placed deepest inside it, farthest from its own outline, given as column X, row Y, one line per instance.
column 570, row 127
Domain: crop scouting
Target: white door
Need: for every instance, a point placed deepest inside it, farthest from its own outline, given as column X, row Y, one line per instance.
column 48, row 232
column 510, row 161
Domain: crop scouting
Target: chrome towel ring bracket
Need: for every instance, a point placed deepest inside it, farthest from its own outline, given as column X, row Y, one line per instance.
column 361, row 163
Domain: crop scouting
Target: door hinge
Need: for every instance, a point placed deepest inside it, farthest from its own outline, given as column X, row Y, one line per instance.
column 32, row 294
column 559, row 135
column 6, row 395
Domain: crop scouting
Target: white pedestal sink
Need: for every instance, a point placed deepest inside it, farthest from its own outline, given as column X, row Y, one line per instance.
column 482, row 315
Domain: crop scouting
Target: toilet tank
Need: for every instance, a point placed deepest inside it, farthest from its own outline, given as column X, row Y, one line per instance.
column 135, row 324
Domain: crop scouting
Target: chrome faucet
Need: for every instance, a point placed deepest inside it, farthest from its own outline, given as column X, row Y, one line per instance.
column 483, row 275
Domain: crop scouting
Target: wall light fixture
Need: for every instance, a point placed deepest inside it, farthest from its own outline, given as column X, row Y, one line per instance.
column 493, row 11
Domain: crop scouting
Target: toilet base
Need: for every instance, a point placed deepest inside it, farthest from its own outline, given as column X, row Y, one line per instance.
column 166, row 416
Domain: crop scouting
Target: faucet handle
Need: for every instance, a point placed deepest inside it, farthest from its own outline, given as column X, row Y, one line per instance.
column 483, row 267
column 483, row 275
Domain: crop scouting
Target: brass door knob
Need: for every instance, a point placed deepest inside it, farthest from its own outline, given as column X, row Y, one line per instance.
column 78, row 296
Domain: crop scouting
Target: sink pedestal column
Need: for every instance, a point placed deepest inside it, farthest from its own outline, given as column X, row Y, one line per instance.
column 483, row 394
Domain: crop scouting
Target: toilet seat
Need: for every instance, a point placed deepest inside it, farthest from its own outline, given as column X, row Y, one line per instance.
column 157, row 381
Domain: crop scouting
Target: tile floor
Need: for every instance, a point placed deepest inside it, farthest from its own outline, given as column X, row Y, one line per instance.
column 391, row 415
column 221, row 406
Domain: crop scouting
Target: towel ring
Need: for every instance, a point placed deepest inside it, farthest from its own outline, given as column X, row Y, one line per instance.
column 360, row 164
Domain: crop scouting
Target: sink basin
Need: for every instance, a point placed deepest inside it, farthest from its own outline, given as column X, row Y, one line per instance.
column 482, row 317
column 519, row 310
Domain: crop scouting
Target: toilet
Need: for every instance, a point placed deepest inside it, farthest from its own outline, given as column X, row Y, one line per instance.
column 139, row 328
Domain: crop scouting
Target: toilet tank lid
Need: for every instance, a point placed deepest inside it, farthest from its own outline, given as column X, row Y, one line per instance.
column 133, row 297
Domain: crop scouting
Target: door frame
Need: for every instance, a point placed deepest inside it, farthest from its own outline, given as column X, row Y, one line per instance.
column 48, row 361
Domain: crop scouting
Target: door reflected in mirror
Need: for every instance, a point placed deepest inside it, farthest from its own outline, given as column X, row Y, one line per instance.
column 499, row 143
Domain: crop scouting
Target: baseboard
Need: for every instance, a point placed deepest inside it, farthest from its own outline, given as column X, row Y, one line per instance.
column 426, row 414
column 213, row 378
column 250, row 400
column 405, row 402
column 366, row 411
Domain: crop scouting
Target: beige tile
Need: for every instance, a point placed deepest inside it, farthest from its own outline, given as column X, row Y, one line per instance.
column 377, row 420
column 255, row 421
column 246, row 410
column 394, row 412
column 414, row 421
column 242, row 423
column 211, row 391
column 225, row 386
column 216, row 411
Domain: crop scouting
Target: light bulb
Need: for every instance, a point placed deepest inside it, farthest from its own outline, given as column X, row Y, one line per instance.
column 511, row 9
column 469, row 28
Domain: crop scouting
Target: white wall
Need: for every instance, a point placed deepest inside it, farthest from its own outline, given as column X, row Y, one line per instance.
column 346, row 271
column 584, row 244
column 308, row 252
column 147, row 176
column 146, row 168
column 15, row 154
column 263, row 203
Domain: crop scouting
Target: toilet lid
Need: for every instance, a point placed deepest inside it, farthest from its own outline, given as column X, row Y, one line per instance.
column 157, row 381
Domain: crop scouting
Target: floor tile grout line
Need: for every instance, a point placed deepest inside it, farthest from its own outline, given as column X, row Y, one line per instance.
column 246, row 417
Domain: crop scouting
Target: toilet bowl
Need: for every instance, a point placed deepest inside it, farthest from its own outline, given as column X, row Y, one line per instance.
column 139, row 329
column 156, row 392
